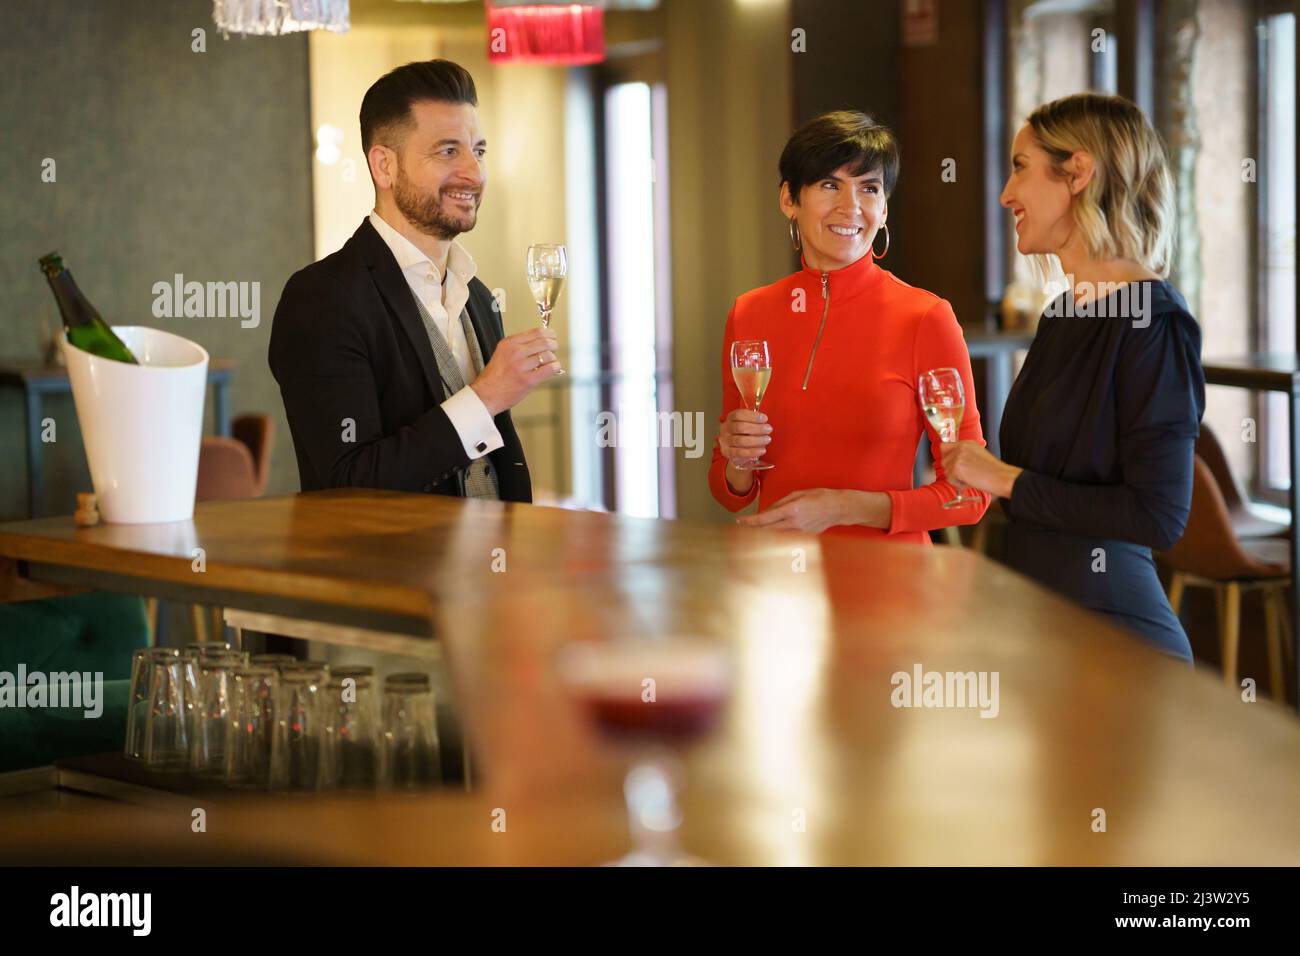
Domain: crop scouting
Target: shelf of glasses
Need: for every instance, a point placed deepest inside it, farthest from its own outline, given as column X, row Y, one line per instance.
column 382, row 642
column 111, row 775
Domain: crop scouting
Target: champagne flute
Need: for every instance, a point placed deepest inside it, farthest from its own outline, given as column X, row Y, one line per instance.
column 751, row 367
column 943, row 401
column 548, row 264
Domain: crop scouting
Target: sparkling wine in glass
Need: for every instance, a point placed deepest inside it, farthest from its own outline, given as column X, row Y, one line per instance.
column 548, row 265
column 751, row 368
column 691, row 679
column 943, row 400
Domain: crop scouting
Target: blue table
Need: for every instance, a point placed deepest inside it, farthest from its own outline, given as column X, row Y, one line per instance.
column 37, row 380
column 998, row 349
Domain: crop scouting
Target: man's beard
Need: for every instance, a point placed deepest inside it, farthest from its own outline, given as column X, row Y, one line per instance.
column 425, row 213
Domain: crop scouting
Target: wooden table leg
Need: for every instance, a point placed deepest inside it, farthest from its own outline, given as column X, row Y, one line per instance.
column 16, row 586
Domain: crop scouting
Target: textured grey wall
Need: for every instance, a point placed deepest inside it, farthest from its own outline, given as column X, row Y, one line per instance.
column 168, row 161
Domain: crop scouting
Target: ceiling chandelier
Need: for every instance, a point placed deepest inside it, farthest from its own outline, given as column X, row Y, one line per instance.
column 276, row 17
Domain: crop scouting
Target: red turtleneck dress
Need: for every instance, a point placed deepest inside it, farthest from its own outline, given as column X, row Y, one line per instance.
column 857, row 422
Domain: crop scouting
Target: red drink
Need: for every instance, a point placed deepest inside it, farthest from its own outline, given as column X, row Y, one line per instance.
column 663, row 690
column 678, row 720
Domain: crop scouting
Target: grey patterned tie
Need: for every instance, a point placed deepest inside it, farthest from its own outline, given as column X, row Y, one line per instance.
column 480, row 476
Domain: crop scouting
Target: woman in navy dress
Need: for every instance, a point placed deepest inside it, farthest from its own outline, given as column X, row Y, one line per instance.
column 1099, row 430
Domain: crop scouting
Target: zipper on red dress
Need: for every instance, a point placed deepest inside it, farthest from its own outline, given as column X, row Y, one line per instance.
column 826, row 294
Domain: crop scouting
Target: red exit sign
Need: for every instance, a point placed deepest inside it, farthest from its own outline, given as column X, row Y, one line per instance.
column 920, row 22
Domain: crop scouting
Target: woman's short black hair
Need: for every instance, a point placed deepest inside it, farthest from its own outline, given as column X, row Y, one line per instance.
column 386, row 107
column 831, row 140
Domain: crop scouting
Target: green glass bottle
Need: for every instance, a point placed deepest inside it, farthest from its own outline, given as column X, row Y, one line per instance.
column 81, row 322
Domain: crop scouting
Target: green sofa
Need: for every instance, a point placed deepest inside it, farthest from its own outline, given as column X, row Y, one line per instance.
column 95, row 632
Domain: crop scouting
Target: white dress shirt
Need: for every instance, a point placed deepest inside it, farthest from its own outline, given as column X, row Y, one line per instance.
column 444, row 298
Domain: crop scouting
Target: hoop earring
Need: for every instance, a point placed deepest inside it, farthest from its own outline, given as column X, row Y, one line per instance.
column 796, row 240
column 885, row 227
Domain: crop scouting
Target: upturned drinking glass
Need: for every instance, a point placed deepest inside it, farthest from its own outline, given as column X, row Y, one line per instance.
column 137, row 713
column 410, row 733
column 352, row 755
column 300, row 717
column 211, row 713
column 192, row 658
column 250, row 733
column 167, row 723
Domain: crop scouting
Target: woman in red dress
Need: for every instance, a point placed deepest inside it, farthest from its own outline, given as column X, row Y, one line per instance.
column 840, row 420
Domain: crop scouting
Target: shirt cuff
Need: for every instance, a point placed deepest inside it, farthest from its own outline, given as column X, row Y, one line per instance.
column 473, row 423
column 895, row 511
column 747, row 496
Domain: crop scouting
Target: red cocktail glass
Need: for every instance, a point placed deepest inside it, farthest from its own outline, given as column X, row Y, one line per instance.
column 652, row 698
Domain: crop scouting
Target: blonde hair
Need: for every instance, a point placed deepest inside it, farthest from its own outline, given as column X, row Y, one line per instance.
column 1127, row 209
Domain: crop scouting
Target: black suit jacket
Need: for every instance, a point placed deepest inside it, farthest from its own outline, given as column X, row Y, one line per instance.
column 347, row 343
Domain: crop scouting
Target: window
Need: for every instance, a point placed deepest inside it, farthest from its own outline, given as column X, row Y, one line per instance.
column 633, row 295
column 1276, row 234
column 1057, row 47
column 620, row 391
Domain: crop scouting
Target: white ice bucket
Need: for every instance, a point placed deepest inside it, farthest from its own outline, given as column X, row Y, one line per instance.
column 142, row 424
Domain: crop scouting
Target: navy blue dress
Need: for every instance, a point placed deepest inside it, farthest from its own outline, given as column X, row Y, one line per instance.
column 1103, row 419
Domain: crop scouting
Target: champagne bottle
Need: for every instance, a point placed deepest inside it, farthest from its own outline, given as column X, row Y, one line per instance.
column 81, row 322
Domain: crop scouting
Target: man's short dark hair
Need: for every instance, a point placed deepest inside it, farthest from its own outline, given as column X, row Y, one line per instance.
column 386, row 107
column 831, row 140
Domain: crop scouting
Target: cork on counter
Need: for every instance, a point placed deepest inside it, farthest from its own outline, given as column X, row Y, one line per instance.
column 87, row 512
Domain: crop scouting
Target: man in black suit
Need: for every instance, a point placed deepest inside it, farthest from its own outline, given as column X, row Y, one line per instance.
column 390, row 354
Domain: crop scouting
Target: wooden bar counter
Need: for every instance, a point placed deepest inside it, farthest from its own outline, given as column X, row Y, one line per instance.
column 813, row 763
